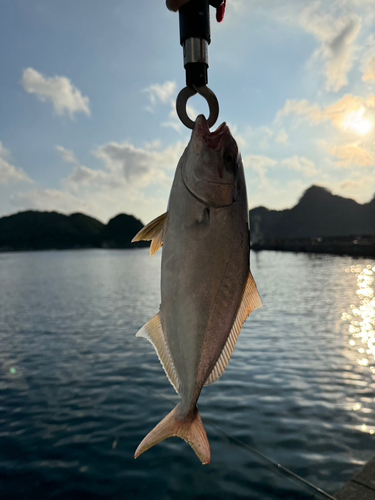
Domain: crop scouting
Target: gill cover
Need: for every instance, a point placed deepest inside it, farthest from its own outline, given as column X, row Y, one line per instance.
column 210, row 172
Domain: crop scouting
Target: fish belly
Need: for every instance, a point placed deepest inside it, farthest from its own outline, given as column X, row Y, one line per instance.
column 205, row 266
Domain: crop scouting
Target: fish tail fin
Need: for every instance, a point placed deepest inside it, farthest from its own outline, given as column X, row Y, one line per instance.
column 189, row 428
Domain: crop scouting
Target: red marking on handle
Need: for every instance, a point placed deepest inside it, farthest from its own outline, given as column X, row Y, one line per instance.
column 220, row 11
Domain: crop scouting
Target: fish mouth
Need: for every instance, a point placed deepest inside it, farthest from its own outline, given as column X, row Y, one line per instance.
column 213, row 140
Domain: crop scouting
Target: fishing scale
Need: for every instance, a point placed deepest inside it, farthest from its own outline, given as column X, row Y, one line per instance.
column 195, row 37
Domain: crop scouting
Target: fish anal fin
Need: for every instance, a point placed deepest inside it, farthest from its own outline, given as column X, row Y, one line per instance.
column 250, row 301
column 153, row 332
column 189, row 428
column 153, row 231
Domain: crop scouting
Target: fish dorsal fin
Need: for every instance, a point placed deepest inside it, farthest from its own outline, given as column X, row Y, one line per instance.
column 153, row 332
column 250, row 302
column 153, row 231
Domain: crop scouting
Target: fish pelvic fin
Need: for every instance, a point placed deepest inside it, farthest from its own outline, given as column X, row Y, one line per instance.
column 250, row 301
column 153, row 231
column 189, row 428
column 153, row 332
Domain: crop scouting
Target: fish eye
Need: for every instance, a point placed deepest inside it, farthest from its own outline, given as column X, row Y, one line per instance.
column 229, row 159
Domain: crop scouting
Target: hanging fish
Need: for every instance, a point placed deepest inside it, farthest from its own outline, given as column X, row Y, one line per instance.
column 207, row 290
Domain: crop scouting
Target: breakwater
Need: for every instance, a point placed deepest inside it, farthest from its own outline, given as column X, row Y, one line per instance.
column 360, row 246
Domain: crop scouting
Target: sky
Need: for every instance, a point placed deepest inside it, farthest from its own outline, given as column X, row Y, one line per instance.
column 88, row 90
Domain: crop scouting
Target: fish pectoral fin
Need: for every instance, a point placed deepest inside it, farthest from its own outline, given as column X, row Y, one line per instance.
column 153, row 231
column 153, row 332
column 189, row 428
column 250, row 301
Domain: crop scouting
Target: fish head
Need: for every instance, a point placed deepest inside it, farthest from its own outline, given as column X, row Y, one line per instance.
column 211, row 169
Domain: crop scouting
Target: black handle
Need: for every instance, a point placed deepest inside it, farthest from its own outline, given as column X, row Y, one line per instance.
column 216, row 3
column 195, row 21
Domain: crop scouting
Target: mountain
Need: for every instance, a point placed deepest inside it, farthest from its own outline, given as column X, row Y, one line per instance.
column 45, row 230
column 119, row 232
column 32, row 230
column 318, row 214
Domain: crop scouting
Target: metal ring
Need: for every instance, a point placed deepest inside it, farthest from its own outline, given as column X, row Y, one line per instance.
column 182, row 99
column 211, row 100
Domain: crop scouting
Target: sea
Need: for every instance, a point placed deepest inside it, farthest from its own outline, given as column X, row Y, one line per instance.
column 78, row 390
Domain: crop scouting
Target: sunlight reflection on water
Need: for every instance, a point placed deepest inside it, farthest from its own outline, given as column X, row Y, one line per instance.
column 361, row 326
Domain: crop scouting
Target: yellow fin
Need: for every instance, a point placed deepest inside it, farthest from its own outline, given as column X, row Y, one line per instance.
column 153, row 231
column 250, row 301
column 153, row 332
column 189, row 428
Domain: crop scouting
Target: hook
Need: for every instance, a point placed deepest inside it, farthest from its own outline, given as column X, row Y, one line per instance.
column 205, row 92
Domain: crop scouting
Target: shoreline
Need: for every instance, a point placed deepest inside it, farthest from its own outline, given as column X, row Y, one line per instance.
column 360, row 246
column 351, row 251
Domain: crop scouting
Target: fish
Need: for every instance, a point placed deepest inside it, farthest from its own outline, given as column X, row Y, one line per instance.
column 207, row 289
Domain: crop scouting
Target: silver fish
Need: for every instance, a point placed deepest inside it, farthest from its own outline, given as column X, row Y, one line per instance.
column 207, row 290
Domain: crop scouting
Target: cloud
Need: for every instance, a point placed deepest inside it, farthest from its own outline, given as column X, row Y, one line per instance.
column 360, row 188
column 59, row 90
column 67, row 155
column 254, row 137
column 166, row 93
column 275, row 195
column 127, row 165
column 102, row 203
column 352, row 116
column 163, row 93
column 124, row 164
column 82, row 175
column 337, row 112
column 282, row 137
column 353, row 154
column 139, row 165
column 173, row 119
column 259, row 162
column 337, row 36
column 369, row 71
column 130, row 178
column 368, row 61
column 300, row 107
column 300, row 164
column 49, row 200
column 339, row 54
column 87, row 177
column 8, row 172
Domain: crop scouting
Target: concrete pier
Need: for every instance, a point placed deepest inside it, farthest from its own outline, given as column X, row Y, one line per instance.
column 361, row 486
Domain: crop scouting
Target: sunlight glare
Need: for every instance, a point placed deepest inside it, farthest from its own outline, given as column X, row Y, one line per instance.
column 356, row 122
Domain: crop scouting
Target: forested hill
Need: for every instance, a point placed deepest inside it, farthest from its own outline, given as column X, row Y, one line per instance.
column 32, row 230
column 318, row 213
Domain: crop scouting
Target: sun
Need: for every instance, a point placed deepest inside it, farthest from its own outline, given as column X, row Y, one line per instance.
column 356, row 122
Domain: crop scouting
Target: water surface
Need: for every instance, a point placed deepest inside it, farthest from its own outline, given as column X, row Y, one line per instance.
column 78, row 391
